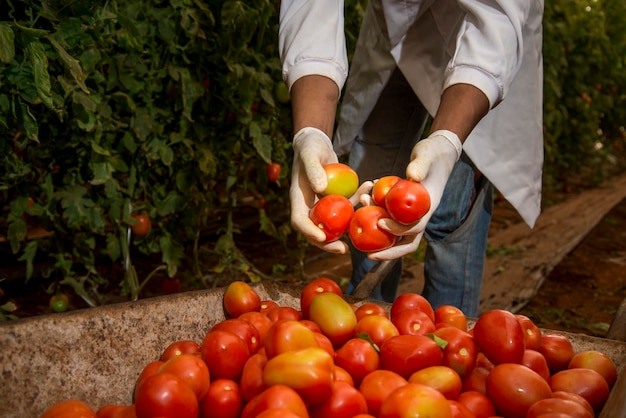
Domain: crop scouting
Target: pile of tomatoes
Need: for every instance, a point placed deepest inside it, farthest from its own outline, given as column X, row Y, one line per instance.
column 402, row 200
column 331, row 358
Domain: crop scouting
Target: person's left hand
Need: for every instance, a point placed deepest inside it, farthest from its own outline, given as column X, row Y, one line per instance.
column 432, row 161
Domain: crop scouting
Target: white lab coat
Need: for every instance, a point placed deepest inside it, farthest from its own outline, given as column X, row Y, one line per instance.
column 494, row 45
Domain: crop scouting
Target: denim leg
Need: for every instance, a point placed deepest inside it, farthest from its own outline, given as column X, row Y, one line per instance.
column 457, row 241
column 384, row 148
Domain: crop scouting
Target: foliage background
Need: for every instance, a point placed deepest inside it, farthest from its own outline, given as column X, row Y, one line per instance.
column 174, row 109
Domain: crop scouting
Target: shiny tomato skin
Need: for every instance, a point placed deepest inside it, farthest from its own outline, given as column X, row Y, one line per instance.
column 251, row 381
column 284, row 312
column 584, row 382
column 381, row 187
column 243, row 329
column 345, row 402
column 413, row 322
column 377, row 385
column 180, row 347
column 342, row 180
column 513, row 388
column 109, row 410
column 536, row 361
column 332, row 214
column 192, row 370
column 267, row 305
column 260, row 322
column 499, row 336
column 411, row 300
column 451, row 315
column 59, row 302
column 407, row 201
column 142, row 225
column 149, row 369
column 598, row 361
column 70, row 408
column 277, row 413
column 415, row 400
column 570, row 396
column 558, row 351
column 358, row 357
column 223, row 400
column 273, row 172
column 370, row 308
column 532, row 333
column 377, row 328
column 239, row 298
column 552, row 405
column 405, row 354
column 335, row 317
column 275, row 397
column 314, row 288
column 364, row 232
column 442, row 378
column 459, row 410
column 478, row 403
column 225, row 354
column 288, row 335
column 308, row 371
column 324, row 343
column 165, row 394
column 476, row 380
column 341, row 375
column 460, row 352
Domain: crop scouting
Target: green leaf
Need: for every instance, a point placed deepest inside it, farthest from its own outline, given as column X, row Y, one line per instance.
column 101, row 173
column 113, row 249
column 98, row 149
column 262, row 143
column 172, row 253
column 7, row 44
column 17, row 233
column 36, row 54
column 72, row 65
column 29, row 123
column 172, row 202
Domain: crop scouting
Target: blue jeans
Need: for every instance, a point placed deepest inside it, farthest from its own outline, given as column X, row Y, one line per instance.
column 457, row 231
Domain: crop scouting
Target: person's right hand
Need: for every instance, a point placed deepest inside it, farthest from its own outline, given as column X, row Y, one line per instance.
column 312, row 151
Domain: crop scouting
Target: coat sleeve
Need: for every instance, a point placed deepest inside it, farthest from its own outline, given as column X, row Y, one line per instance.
column 311, row 40
column 489, row 46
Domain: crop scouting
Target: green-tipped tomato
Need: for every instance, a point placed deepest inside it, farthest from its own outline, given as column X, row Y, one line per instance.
column 342, row 180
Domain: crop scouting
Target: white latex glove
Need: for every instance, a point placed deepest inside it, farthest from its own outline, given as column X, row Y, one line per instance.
column 312, row 151
column 432, row 161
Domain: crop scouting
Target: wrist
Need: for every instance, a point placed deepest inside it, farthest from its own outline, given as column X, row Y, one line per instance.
column 452, row 139
column 310, row 131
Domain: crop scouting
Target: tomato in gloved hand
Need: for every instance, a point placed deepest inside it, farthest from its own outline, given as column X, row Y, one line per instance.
column 342, row 180
column 332, row 214
column 407, row 201
column 364, row 232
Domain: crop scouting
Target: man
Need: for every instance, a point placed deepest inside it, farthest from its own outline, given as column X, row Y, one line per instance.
column 476, row 67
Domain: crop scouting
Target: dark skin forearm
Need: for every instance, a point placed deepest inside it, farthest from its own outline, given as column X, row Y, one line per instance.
column 462, row 107
column 314, row 103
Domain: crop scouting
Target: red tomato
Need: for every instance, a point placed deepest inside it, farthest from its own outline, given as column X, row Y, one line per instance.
column 273, row 172
column 275, row 397
column 476, row 381
column 411, row 301
column 332, row 214
column 192, row 369
column 243, row 329
column 325, row 343
column 381, row 187
column 288, row 335
column 334, row 316
column 406, row 354
column 251, row 382
column 415, row 400
column 459, row 410
column 478, row 403
column 314, row 288
column 267, row 305
column 558, row 351
column 364, row 232
column 180, row 347
column 499, row 336
column 442, row 378
column 451, row 315
column 170, row 285
column 536, row 361
column 377, row 385
column 584, row 382
column 560, row 394
column 598, row 361
column 345, row 402
column 150, row 369
column 341, row 375
column 142, row 226
column 165, row 394
column 70, row 408
column 358, row 357
column 308, row 371
column 571, row 408
column 284, row 312
column 532, row 333
column 310, row 325
column 239, row 298
column 342, row 180
column 376, row 328
column 513, row 388
column 460, row 352
column 413, row 322
column 223, row 400
column 370, row 308
column 225, row 354
column 407, row 201
column 278, row 413
column 109, row 411
column 259, row 321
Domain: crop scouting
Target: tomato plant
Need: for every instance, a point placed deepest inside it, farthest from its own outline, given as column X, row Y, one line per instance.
column 273, row 172
column 142, row 225
column 364, row 232
column 342, row 180
column 332, row 214
column 407, row 201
